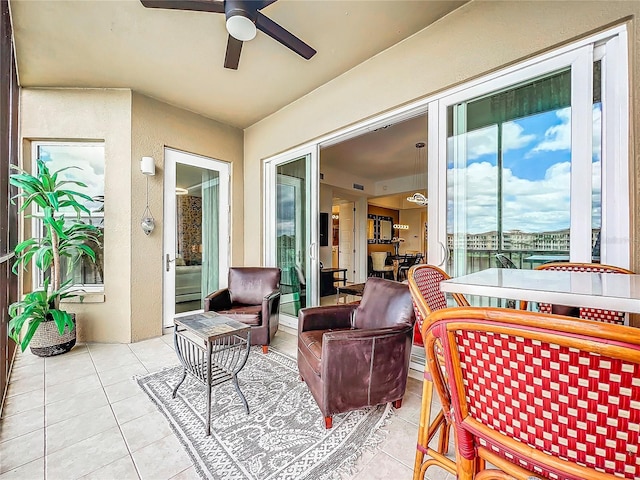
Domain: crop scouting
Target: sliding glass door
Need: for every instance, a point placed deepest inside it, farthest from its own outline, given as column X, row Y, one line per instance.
column 521, row 168
column 291, row 242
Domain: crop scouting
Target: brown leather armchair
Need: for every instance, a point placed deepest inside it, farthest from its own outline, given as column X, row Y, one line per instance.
column 353, row 356
column 253, row 297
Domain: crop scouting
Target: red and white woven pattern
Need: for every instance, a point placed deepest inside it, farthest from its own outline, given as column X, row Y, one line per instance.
column 428, row 282
column 607, row 316
column 575, row 405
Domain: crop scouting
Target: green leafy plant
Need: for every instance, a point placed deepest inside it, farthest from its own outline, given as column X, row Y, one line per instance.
column 63, row 238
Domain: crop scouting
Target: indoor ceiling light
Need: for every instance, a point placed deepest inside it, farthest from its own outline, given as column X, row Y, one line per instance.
column 418, row 167
column 181, row 191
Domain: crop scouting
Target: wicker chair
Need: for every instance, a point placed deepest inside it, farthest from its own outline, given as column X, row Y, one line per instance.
column 424, row 285
column 607, row 316
column 537, row 399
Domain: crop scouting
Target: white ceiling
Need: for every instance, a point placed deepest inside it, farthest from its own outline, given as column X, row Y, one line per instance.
column 386, row 153
column 178, row 56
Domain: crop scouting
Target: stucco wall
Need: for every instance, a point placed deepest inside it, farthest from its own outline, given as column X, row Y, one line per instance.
column 132, row 126
column 94, row 114
column 154, row 126
column 478, row 38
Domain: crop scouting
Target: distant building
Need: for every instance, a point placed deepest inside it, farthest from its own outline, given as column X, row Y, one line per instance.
column 517, row 240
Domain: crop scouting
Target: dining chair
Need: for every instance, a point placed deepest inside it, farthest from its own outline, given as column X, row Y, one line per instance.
column 424, row 285
column 537, row 399
column 607, row 316
column 379, row 264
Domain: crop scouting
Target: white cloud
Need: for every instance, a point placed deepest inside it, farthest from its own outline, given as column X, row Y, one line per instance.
column 530, row 205
column 484, row 141
column 557, row 137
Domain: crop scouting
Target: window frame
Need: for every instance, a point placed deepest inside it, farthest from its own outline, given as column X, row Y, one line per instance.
column 36, row 213
column 610, row 47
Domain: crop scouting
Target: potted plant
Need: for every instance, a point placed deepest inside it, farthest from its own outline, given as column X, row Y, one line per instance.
column 52, row 329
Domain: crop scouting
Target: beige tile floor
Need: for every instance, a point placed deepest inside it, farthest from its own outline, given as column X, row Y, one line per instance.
column 81, row 415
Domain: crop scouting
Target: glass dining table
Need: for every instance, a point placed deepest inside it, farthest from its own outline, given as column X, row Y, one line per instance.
column 578, row 289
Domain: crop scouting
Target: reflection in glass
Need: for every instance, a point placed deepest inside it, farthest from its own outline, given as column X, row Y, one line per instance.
column 291, row 235
column 197, row 242
column 509, row 174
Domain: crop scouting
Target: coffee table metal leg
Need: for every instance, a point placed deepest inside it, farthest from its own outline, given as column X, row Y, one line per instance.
column 234, row 379
column 208, row 388
column 175, row 390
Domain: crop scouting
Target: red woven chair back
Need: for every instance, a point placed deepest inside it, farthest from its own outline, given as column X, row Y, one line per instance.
column 560, row 401
column 599, row 315
column 424, row 284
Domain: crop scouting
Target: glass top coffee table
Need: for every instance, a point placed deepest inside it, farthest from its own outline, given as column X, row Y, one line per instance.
column 354, row 289
column 213, row 349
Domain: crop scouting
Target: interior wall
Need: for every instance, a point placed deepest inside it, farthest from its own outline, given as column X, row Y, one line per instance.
column 94, row 114
column 413, row 236
column 476, row 39
column 155, row 125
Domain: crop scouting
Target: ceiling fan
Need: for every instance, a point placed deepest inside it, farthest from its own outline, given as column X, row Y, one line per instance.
column 243, row 17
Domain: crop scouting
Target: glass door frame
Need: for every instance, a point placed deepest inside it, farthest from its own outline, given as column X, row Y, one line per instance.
column 312, row 186
column 579, row 57
column 171, row 158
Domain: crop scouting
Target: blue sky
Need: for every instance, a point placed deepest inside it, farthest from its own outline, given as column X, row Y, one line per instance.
column 536, row 174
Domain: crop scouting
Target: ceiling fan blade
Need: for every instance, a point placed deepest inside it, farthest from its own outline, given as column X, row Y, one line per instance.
column 265, row 3
column 232, row 57
column 283, row 36
column 212, row 6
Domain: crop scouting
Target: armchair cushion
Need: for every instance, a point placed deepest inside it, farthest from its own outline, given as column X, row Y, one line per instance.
column 249, row 285
column 384, row 304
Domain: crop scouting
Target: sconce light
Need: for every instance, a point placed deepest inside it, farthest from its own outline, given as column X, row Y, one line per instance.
column 148, row 168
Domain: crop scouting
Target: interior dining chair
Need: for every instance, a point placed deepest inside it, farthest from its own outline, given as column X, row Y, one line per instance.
column 607, row 316
column 537, row 399
column 379, row 264
column 424, row 285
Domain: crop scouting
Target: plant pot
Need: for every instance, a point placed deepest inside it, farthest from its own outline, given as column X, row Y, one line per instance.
column 47, row 341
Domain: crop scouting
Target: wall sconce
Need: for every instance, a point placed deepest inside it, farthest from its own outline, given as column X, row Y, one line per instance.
column 148, row 168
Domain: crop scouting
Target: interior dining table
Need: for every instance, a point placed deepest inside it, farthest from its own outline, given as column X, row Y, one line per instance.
column 609, row 291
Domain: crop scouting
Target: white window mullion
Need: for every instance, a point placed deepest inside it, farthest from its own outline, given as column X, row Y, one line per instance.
column 581, row 152
column 615, row 154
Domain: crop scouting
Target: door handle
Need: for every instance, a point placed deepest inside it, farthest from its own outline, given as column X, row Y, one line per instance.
column 446, row 254
column 312, row 250
column 168, row 262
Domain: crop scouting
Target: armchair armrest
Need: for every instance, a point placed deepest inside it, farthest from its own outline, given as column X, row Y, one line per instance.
column 218, row 300
column 271, row 303
column 324, row 318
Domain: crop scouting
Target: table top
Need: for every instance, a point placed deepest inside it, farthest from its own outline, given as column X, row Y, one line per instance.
column 610, row 291
column 333, row 270
column 210, row 325
column 353, row 289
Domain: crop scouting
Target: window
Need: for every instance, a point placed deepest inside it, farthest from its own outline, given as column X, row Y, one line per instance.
column 88, row 162
column 530, row 163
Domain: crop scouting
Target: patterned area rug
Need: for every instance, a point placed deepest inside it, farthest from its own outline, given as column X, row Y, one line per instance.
column 282, row 438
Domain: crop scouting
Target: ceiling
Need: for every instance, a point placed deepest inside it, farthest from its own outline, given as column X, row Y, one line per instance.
column 177, row 56
column 386, row 153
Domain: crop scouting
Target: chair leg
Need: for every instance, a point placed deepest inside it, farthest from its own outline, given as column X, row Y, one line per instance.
column 265, row 348
column 301, row 379
column 397, row 404
column 328, row 422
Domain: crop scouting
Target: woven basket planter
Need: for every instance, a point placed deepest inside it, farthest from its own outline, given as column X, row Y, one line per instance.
column 47, row 341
